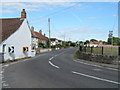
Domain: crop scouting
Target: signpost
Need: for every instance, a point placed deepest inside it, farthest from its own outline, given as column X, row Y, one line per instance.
column 11, row 49
column 25, row 49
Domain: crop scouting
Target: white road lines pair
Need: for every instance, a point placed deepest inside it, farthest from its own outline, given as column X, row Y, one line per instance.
column 52, row 58
column 52, row 63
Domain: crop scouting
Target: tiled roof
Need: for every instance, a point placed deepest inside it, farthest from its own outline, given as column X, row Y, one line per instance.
column 96, row 42
column 40, row 36
column 9, row 26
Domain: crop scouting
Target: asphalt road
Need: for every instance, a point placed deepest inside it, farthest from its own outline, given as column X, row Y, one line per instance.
column 57, row 69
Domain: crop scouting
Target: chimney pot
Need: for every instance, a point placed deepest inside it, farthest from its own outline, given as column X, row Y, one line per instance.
column 32, row 29
column 23, row 14
column 44, row 34
column 40, row 31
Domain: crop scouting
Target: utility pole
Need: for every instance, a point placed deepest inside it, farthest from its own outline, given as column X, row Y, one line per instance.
column 64, row 37
column 49, row 32
column 69, row 39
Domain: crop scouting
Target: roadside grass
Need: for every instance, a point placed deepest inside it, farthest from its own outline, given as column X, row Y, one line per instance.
column 9, row 61
column 76, row 54
column 107, row 59
column 111, row 51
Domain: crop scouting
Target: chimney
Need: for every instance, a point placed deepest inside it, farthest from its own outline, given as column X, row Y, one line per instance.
column 23, row 14
column 32, row 29
column 40, row 31
column 44, row 34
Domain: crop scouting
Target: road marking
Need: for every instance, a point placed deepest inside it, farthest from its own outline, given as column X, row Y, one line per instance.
column 51, row 58
column 6, row 65
column 96, row 65
column 3, row 81
column 53, row 64
column 14, row 62
column 2, row 72
column 95, row 77
column 96, row 69
column 5, row 85
column 55, row 55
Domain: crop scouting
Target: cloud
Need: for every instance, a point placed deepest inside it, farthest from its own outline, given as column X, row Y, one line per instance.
column 67, row 32
column 33, row 6
column 92, row 18
column 19, row 6
column 80, row 33
column 60, row 0
column 64, row 4
column 6, row 11
column 115, row 15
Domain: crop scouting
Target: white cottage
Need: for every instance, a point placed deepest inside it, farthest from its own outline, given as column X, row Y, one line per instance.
column 15, row 40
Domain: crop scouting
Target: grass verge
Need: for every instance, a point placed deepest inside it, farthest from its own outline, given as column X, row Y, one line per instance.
column 76, row 54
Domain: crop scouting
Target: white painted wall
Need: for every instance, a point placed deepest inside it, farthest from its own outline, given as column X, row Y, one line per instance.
column 21, row 38
column 45, row 50
column 55, row 42
column 35, row 42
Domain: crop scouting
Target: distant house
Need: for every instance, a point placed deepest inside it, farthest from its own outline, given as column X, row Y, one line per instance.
column 15, row 38
column 38, row 37
column 95, row 43
column 55, row 41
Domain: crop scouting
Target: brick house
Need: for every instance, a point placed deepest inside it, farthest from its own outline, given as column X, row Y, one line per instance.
column 95, row 43
column 38, row 37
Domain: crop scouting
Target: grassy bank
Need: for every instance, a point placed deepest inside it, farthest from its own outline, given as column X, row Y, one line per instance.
column 111, row 51
column 106, row 59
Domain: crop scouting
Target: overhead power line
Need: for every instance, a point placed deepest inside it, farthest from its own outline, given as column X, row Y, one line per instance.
column 54, row 13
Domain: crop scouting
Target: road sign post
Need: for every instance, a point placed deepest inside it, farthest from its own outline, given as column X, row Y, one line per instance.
column 119, row 51
column 102, row 50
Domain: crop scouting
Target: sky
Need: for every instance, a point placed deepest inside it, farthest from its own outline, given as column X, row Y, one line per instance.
column 73, row 21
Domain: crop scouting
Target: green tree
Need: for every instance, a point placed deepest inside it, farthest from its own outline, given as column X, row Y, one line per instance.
column 48, row 44
column 92, row 40
column 87, row 41
column 41, row 45
column 114, row 41
column 72, row 44
column 80, row 42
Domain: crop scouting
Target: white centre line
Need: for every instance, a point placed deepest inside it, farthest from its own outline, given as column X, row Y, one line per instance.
column 53, row 64
column 95, row 77
column 51, row 58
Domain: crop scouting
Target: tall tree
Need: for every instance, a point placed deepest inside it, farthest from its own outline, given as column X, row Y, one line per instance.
column 114, row 41
column 92, row 40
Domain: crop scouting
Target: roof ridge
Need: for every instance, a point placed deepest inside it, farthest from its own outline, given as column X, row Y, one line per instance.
column 10, row 18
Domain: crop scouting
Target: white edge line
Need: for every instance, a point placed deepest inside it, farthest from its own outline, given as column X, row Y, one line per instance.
column 96, row 65
column 95, row 77
column 55, row 55
column 53, row 64
column 6, row 65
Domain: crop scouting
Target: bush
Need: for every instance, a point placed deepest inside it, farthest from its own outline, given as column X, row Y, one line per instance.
column 41, row 45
